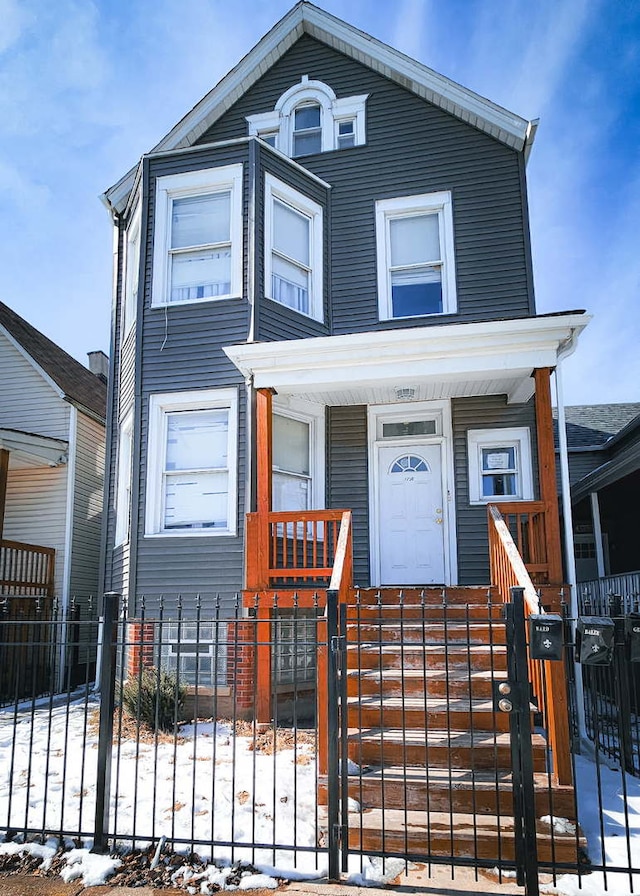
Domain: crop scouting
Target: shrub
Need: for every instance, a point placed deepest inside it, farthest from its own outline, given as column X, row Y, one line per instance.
column 154, row 697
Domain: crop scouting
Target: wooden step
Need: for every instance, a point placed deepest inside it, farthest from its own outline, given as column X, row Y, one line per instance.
column 488, row 837
column 439, row 749
column 429, row 682
column 457, row 612
column 409, row 632
column 414, row 656
column 482, row 792
column 425, row 714
column 431, row 595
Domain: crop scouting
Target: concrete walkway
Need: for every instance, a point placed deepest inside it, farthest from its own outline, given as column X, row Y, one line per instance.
column 438, row 883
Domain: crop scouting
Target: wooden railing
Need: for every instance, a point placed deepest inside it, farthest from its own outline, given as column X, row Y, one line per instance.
column 26, row 570
column 509, row 569
column 341, row 585
column 291, row 549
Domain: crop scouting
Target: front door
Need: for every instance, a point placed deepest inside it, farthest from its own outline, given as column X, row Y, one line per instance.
column 410, row 514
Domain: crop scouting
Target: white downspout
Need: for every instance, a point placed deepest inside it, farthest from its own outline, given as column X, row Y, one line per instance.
column 68, row 537
column 567, row 516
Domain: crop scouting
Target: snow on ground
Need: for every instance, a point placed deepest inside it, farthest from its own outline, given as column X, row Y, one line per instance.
column 209, row 785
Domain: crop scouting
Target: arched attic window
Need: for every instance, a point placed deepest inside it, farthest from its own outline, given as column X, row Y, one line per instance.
column 309, row 118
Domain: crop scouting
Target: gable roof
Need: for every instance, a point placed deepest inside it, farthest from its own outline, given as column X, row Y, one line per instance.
column 305, row 18
column 77, row 384
column 594, row 425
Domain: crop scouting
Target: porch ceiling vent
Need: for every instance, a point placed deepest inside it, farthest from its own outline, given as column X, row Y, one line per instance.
column 405, row 393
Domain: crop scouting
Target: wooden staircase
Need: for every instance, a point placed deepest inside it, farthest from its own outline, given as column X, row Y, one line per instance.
column 430, row 757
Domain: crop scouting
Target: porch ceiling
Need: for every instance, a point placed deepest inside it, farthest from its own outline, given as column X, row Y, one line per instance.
column 436, row 362
column 27, row 449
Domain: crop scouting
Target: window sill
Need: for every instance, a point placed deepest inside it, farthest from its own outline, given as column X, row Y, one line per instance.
column 193, row 533
column 196, row 301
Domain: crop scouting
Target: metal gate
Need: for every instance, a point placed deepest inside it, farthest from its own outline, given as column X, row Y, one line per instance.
column 437, row 754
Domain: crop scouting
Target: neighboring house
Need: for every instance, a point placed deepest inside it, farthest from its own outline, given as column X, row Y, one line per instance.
column 603, row 443
column 52, row 446
column 325, row 300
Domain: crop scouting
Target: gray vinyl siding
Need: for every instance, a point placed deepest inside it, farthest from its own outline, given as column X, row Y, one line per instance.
column 181, row 350
column 583, row 462
column 481, row 413
column 348, row 478
column 87, row 507
column 412, row 148
column 273, row 320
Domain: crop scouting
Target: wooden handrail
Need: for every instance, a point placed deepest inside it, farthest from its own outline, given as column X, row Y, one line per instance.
column 519, row 573
column 508, row 570
column 341, row 582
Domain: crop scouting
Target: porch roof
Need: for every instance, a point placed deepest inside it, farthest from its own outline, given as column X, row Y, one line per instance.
column 436, row 362
column 27, row 449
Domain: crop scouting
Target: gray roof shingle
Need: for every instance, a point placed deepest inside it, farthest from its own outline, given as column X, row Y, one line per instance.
column 593, row 424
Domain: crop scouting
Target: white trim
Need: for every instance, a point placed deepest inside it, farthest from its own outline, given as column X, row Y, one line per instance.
column 505, row 126
column 45, row 376
column 196, row 183
column 388, row 210
column 123, row 494
column 501, row 349
column 162, row 403
column 71, row 493
column 597, row 533
column 277, row 189
column 444, row 438
column 130, row 307
column 518, row 437
column 314, row 415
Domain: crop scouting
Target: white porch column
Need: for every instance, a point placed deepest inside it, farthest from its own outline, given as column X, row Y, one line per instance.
column 597, row 533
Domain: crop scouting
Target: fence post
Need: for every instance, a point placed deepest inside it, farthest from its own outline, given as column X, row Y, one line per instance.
column 521, row 749
column 107, row 678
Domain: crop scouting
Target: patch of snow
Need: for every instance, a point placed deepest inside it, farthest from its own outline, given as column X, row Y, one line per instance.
column 560, row 825
column 94, row 869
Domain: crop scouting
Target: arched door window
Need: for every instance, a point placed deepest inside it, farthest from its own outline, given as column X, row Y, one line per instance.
column 409, row 463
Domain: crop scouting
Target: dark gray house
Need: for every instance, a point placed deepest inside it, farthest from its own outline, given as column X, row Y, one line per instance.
column 324, row 301
column 603, row 442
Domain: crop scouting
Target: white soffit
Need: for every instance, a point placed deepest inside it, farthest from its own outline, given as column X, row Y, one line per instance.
column 489, row 357
column 304, row 18
column 31, row 450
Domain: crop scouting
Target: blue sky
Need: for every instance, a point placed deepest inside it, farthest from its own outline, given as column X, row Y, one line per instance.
column 87, row 86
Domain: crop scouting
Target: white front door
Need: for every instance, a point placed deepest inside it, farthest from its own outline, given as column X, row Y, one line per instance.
column 410, row 515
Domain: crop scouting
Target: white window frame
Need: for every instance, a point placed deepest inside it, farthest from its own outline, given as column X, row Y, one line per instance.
column 404, row 207
column 123, row 480
column 275, row 189
column 206, row 181
column 332, row 110
column 131, row 274
column 161, row 404
column 313, row 415
column 513, row 437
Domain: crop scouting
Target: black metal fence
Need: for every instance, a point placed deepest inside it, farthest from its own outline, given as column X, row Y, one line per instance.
column 204, row 733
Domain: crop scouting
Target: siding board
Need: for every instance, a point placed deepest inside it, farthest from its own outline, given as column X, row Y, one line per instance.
column 348, row 478
column 412, row 147
column 484, row 412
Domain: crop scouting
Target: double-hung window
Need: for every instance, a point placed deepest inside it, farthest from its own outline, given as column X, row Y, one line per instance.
column 198, row 240
column 293, row 247
column 416, row 271
column 191, row 482
column 500, row 465
column 307, row 129
column 298, row 456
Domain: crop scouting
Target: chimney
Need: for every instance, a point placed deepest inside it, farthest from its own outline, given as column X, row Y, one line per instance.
column 99, row 364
